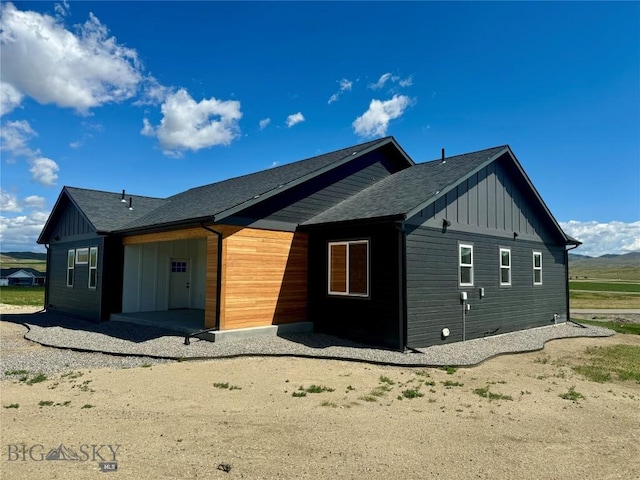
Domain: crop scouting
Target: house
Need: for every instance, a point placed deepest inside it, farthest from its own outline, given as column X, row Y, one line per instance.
column 29, row 277
column 362, row 242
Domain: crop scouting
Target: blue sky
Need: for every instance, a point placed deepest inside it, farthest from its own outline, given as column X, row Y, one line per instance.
column 159, row 97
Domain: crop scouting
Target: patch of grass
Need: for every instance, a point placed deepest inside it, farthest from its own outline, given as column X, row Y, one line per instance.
column 41, row 377
column 316, row 389
column 411, row 393
column 72, row 375
column 87, row 405
column 449, row 370
column 605, row 286
column 542, row 360
column 45, row 403
column 386, row 380
column 572, row 395
column 25, row 296
column 12, row 405
column 327, row 403
column 621, row 360
column 486, row 393
column 226, row 386
column 350, row 388
column 368, row 398
column 619, row 327
column 299, row 394
column 450, row 384
column 422, row 373
column 16, row 372
column 146, row 365
column 603, row 300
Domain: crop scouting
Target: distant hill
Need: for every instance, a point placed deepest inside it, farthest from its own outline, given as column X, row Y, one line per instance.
column 34, row 260
column 609, row 266
column 25, row 255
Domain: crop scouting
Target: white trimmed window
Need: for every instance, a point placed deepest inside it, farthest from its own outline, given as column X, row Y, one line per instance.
column 537, row 268
column 465, row 264
column 71, row 259
column 349, row 268
column 82, row 256
column 505, row 266
column 93, row 267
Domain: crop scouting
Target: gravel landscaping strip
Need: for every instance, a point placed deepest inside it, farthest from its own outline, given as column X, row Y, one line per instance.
column 132, row 345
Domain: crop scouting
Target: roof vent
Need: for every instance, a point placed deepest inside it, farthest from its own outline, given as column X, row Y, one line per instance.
column 130, row 203
column 123, row 199
column 443, row 160
column 354, row 153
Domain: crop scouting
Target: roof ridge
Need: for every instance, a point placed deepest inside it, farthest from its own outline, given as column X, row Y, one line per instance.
column 70, row 187
column 465, row 154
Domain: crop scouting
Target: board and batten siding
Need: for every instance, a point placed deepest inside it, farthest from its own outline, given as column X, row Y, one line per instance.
column 433, row 291
column 320, row 193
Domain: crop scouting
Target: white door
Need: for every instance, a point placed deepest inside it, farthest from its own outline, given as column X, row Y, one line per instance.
column 179, row 283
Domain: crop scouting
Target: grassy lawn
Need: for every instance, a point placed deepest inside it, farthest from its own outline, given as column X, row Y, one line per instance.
column 620, row 327
column 607, row 363
column 605, row 286
column 22, row 295
column 604, row 300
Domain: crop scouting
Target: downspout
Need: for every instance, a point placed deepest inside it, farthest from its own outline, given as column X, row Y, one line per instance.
column 218, row 287
column 46, row 278
column 566, row 275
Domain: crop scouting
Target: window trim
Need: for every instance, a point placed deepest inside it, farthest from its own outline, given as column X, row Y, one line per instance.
column 535, row 269
column 71, row 265
column 93, row 267
column 347, row 243
column 84, row 251
column 461, row 265
column 503, row 267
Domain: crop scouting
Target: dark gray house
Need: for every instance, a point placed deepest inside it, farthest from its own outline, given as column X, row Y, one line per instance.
column 361, row 242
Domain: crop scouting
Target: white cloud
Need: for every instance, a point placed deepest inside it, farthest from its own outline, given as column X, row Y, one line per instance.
column 44, row 171
column 601, row 238
column 9, row 202
column 153, row 93
column 34, row 201
column 47, row 62
column 191, row 125
column 295, row 118
column 345, row 86
column 20, row 233
column 375, row 121
column 15, row 137
column 406, row 82
column 10, row 98
column 381, row 81
column 388, row 77
column 264, row 122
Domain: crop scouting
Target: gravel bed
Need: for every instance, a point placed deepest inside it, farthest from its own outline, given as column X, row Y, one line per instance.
column 131, row 345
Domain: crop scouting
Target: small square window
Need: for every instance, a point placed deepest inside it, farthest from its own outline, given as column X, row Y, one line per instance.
column 82, row 256
column 178, row 267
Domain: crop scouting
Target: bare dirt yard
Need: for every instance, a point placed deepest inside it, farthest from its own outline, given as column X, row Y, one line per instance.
column 259, row 418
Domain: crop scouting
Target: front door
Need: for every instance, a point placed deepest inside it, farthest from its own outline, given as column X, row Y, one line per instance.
column 179, row 283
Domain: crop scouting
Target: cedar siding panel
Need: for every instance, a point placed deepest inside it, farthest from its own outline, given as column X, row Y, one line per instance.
column 79, row 300
column 433, row 294
column 317, row 195
column 374, row 320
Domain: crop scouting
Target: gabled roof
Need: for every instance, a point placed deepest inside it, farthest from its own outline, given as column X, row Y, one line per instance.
column 105, row 211
column 7, row 272
column 405, row 191
column 216, row 201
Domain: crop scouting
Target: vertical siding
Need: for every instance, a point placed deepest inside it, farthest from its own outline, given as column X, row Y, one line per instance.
column 433, row 294
column 375, row 320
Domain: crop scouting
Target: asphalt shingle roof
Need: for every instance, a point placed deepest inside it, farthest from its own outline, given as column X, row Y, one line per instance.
column 107, row 212
column 209, row 200
column 403, row 191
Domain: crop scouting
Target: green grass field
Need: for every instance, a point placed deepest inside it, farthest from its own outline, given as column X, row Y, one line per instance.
column 33, row 296
column 605, row 286
column 601, row 294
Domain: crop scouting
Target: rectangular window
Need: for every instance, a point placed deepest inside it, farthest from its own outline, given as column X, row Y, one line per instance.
column 93, row 267
column 466, row 265
column 349, row 268
column 178, row 266
column 505, row 266
column 82, row 256
column 71, row 258
column 537, row 268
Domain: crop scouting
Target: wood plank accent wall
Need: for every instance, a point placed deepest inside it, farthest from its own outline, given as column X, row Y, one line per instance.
column 264, row 278
column 264, row 274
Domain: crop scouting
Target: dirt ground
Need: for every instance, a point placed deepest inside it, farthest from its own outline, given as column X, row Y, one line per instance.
column 176, row 421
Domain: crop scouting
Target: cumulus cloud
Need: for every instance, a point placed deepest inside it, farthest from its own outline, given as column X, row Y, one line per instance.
column 264, row 122
column 152, row 92
column 20, row 233
column 34, row 201
column 15, row 137
column 10, row 98
column 601, row 238
column 44, row 171
column 9, row 202
column 41, row 58
column 345, row 86
column 375, row 121
column 191, row 125
column 294, row 118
